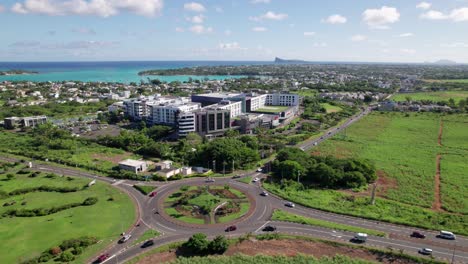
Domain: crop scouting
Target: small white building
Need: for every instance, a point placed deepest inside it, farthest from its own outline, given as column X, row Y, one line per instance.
column 135, row 166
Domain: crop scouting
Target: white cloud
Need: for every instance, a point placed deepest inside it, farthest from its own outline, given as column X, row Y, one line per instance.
column 335, row 19
column 309, row 34
column 424, row 5
column 408, row 51
column 405, row 35
column 270, row 15
column 227, row 32
column 380, row 18
column 179, row 29
column 103, row 8
column 259, row 29
column 456, row 15
column 459, row 15
column 200, row 29
column 358, row 38
column 260, row 1
column 230, row 46
column 455, row 45
column 434, row 15
column 198, row 19
column 194, row 7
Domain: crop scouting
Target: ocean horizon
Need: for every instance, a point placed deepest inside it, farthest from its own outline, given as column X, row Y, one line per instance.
column 110, row 71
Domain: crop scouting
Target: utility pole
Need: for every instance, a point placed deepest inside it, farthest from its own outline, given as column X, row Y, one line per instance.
column 453, row 254
column 233, row 166
column 298, row 175
column 224, row 168
column 374, row 187
column 214, row 165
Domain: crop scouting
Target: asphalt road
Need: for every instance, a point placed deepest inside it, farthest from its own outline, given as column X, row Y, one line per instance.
column 172, row 230
column 333, row 131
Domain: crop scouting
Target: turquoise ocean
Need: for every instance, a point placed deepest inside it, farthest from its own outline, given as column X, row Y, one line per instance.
column 123, row 72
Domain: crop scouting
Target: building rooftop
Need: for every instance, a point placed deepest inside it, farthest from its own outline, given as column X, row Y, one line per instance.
column 132, row 163
column 220, row 95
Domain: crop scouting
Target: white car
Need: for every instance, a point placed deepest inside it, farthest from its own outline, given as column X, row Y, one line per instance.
column 289, row 204
column 255, row 179
column 259, row 170
column 210, row 180
column 125, row 238
column 425, row 251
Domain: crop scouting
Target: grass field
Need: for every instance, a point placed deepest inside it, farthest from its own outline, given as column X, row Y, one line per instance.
column 246, row 180
column 450, row 80
column 331, row 108
column 88, row 155
column 280, row 215
column 306, row 92
column 404, row 150
column 26, row 237
column 272, row 109
column 432, row 96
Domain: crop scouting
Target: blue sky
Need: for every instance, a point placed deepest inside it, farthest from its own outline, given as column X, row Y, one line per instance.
column 332, row 30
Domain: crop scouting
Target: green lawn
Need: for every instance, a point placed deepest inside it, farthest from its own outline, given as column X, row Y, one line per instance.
column 144, row 189
column 247, row 180
column 206, row 200
column 280, row 215
column 404, row 150
column 272, row 109
column 244, row 208
column 26, row 237
column 331, row 108
column 450, row 80
column 305, row 93
column 433, row 96
column 172, row 212
column 85, row 154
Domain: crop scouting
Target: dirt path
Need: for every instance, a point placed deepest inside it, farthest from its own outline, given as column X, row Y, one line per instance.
column 437, row 205
column 441, row 128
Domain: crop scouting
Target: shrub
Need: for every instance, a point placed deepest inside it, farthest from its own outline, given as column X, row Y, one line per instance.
column 90, row 201
column 45, row 257
column 66, row 256
column 197, row 243
column 10, row 176
column 219, row 245
column 55, row 251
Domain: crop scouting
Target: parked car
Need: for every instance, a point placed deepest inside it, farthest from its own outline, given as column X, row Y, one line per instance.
column 447, row 235
column 259, row 170
column 264, row 193
column 236, row 176
column 255, row 179
column 231, row 228
column 289, row 204
column 102, row 258
column 425, row 251
column 152, row 194
column 210, row 180
column 269, row 228
column 417, row 234
column 148, row 243
column 124, row 239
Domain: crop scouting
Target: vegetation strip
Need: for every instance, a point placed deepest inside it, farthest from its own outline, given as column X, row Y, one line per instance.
column 280, row 215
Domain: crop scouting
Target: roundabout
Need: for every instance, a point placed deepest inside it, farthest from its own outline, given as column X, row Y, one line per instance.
column 207, row 205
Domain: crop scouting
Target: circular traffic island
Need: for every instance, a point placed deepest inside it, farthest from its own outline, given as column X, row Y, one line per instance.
column 206, row 204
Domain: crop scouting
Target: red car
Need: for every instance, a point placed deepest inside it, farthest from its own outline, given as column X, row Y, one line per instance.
column 231, row 228
column 417, row 234
column 152, row 194
column 103, row 257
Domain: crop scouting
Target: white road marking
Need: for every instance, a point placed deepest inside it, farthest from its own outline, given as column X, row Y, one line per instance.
column 118, row 182
column 264, row 210
column 111, row 257
column 166, row 227
column 256, row 231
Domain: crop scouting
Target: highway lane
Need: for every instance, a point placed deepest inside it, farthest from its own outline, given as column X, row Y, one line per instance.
column 264, row 206
column 333, row 131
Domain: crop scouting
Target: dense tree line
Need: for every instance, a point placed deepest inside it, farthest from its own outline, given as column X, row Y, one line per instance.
column 198, row 244
column 55, row 109
column 329, row 172
column 47, row 211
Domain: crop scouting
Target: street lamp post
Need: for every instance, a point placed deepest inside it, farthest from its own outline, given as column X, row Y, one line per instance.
column 298, row 175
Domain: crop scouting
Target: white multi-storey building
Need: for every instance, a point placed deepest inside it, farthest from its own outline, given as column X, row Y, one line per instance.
column 167, row 113
column 281, row 99
column 258, row 102
column 234, row 107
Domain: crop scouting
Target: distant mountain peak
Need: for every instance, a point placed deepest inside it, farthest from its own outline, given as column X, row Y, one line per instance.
column 445, row 62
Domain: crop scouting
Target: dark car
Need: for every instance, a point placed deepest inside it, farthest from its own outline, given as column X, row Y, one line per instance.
column 236, row 176
column 417, row 234
column 269, row 228
column 148, row 243
column 152, row 194
column 102, row 258
column 231, row 228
